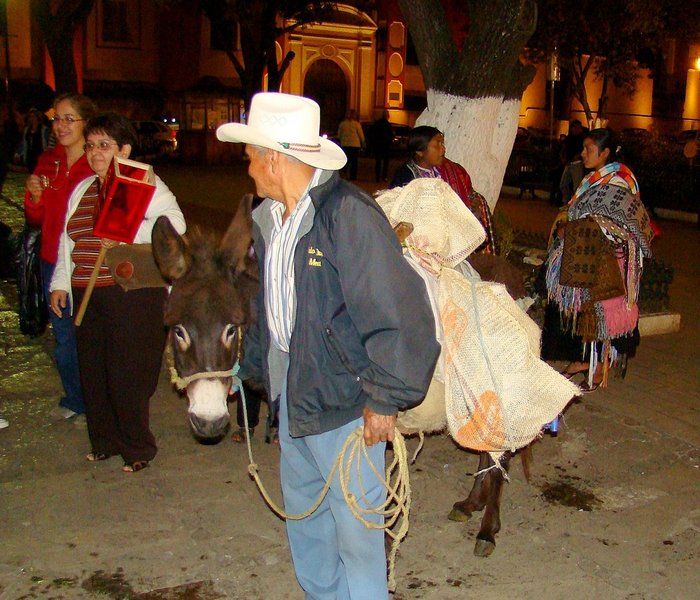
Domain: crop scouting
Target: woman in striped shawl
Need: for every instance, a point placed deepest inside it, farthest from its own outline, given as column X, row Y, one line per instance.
column 590, row 329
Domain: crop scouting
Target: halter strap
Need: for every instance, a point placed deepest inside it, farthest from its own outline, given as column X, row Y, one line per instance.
column 182, row 382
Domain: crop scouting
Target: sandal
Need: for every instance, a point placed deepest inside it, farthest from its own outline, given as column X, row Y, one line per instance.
column 242, row 435
column 96, row 456
column 589, row 389
column 135, row 467
column 570, row 376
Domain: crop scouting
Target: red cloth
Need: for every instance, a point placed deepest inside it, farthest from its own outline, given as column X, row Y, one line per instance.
column 50, row 212
column 458, row 178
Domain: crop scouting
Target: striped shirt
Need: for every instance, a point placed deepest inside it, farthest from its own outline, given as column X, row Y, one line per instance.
column 87, row 246
column 280, row 295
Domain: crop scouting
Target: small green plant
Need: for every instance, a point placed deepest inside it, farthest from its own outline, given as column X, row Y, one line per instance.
column 504, row 233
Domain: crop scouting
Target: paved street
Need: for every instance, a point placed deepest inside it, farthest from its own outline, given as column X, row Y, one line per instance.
column 193, row 526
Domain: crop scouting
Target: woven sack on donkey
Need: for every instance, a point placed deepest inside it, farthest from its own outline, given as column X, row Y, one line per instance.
column 498, row 393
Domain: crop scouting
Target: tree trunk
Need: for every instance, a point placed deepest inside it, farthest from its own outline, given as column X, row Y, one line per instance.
column 481, row 135
column 61, row 52
column 58, row 23
column 603, row 100
column 475, row 80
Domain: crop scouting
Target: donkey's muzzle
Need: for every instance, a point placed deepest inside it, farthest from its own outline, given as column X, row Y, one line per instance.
column 207, row 428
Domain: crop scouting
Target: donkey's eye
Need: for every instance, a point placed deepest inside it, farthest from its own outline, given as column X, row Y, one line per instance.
column 228, row 334
column 181, row 336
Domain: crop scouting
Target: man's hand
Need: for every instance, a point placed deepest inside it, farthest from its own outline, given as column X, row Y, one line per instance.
column 378, row 428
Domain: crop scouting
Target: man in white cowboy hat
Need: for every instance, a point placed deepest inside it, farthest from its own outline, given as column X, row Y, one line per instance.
column 344, row 336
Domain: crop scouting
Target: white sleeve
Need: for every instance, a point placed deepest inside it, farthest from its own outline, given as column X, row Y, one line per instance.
column 61, row 276
column 162, row 203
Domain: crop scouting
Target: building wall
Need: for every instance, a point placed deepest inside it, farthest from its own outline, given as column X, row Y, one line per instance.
column 24, row 57
column 169, row 46
column 128, row 59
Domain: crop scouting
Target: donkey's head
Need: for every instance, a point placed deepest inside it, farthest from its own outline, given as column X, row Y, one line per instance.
column 213, row 287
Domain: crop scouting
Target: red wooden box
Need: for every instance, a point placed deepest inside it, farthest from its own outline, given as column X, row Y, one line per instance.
column 124, row 198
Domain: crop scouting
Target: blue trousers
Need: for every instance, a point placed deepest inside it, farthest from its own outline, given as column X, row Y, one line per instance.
column 335, row 556
column 66, row 352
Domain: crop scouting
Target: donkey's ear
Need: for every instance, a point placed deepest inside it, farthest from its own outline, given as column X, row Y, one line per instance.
column 169, row 250
column 236, row 240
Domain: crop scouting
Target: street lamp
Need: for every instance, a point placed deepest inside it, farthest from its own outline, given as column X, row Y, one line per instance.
column 691, row 106
column 554, row 76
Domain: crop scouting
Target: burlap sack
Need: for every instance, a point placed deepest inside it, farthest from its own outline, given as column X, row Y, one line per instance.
column 497, row 392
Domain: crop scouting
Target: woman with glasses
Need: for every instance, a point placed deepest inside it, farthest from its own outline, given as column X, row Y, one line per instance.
column 58, row 171
column 121, row 338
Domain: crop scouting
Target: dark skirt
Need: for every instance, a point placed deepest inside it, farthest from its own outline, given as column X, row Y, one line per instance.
column 559, row 343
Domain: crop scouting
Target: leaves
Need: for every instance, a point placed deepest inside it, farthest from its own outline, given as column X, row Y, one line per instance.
column 260, row 23
column 610, row 35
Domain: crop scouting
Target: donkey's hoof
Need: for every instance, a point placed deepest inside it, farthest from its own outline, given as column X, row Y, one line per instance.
column 457, row 514
column 484, row 548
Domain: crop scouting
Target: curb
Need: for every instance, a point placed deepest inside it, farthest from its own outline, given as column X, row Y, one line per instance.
column 659, row 323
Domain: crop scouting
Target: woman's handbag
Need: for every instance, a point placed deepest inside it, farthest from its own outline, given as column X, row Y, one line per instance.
column 33, row 310
column 589, row 261
column 133, row 267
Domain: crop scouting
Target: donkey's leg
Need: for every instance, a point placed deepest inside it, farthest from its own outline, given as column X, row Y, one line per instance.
column 491, row 521
column 462, row 511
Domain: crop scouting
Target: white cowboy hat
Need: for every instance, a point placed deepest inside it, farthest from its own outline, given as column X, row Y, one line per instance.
column 288, row 124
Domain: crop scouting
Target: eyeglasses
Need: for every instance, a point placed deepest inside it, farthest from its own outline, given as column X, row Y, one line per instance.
column 103, row 146
column 68, row 119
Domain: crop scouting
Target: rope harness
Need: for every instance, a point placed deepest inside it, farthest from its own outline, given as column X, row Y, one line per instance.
column 395, row 509
column 182, row 382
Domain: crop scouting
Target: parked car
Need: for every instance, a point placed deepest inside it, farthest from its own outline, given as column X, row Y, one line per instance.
column 399, row 144
column 155, row 139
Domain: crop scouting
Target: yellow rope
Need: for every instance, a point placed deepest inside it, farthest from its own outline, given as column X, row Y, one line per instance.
column 395, row 509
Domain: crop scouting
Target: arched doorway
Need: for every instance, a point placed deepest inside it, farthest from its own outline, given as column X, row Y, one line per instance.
column 326, row 83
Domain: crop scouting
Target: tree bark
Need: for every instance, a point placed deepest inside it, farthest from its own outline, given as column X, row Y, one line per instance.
column 474, row 91
column 58, row 28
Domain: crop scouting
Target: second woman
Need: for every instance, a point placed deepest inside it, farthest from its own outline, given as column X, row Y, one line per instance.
column 121, row 339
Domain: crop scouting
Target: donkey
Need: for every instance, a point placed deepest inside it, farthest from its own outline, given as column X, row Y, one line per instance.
column 214, row 285
column 213, row 289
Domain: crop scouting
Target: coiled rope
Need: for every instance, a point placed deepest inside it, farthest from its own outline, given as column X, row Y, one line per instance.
column 395, row 508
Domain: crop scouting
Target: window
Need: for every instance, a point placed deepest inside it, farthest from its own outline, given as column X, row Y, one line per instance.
column 119, row 24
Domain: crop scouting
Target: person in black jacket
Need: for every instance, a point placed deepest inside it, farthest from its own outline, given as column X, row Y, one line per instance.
column 344, row 336
column 381, row 139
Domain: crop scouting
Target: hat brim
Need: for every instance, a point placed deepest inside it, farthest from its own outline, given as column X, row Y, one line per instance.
column 330, row 156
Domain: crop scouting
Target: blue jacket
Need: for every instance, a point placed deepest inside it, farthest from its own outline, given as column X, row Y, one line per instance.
column 364, row 333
